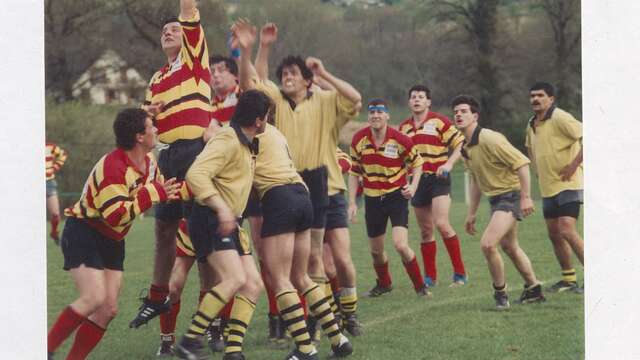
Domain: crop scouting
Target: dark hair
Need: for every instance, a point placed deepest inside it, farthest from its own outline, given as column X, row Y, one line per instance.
column 169, row 19
column 229, row 63
column 251, row 104
column 474, row 105
column 294, row 60
column 129, row 123
column 419, row 88
column 545, row 86
column 377, row 101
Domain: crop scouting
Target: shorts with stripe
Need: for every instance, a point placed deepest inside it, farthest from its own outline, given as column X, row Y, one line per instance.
column 203, row 229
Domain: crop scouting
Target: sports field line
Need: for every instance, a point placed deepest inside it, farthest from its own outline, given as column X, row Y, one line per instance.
column 432, row 304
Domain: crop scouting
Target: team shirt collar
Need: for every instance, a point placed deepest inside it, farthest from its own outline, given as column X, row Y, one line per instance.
column 475, row 139
column 547, row 115
column 252, row 145
column 293, row 103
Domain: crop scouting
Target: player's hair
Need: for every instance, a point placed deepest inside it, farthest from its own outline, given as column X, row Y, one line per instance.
column 169, row 19
column 229, row 63
column 129, row 123
column 292, row 60
column 544, row 86
column 251, row 104
column 422, row 88
column 474, row 105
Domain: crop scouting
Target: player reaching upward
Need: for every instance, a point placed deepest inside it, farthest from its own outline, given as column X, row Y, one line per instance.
column 179, row 96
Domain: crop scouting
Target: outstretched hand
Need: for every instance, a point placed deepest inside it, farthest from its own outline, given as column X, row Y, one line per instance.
column 244, row 33
column 268, row 34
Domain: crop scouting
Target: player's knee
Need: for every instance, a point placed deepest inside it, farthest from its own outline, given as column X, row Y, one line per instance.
column 443, row 226
column 488, row 247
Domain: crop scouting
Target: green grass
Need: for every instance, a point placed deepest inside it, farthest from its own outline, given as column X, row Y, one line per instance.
column 454, row 324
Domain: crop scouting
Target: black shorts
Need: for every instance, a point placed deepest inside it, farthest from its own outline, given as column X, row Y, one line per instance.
column 83, row 244
column 286, row 208
column 565, row 203
column 317, row 183
column 429, row 187
column 203, row 225
column 377, row 210
column 253, row 205
column 337, row 212
column 509, row 202
column 174, row 161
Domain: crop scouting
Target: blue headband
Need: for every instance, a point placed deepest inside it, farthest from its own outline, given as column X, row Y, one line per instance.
column 378, row 107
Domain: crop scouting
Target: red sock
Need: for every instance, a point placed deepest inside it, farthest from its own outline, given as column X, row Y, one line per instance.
column 168, row 319
column 87, row 337
column 158, row 293
column 303, row 302
column 384, row 277
column 68, row 320
column 335, row 286
column 413, row 270
column 429, row 259
column 225, row 313
column 203, row 292
column 453, row 248
column 55, row 220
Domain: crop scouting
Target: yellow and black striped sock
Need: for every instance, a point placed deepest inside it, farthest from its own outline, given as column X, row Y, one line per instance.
column 348, row 300
column 293, row 316
column 241, row 314
column 320, row 309
column 330, row 299
column 210, row 306
column 569, row 275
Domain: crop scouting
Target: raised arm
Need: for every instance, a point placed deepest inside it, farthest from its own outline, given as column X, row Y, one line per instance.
column 342, row 87
column 268, row 36
column 245, row 34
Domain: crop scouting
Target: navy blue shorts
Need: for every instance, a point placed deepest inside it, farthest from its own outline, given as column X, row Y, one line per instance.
column 203, row 230
column 286, row 208
column 83, row 244
column 565, row 203
column 175, row 161
column 337, row 216
column 429, row 187
column 379, row 209
column 317, row 183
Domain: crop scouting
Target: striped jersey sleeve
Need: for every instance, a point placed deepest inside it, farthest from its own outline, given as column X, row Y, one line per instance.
column 183, row 87
column 55, row 157
column 184, row 247
column 116, row 192
column 344, row 160
column 435, row 138
column 384, row 168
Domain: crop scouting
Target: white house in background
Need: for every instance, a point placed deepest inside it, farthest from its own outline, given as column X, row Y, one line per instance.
column 110, row 81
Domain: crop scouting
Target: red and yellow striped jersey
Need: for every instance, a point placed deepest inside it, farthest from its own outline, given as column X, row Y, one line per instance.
column 55, row 157
column 344, row 160
column 116, row 192
column 383, row 168
column 183, row 86
column 434, row 138
column 222, row 109
column 184, row 247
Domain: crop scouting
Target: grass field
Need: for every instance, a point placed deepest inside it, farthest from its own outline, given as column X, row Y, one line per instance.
column 455, row 324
